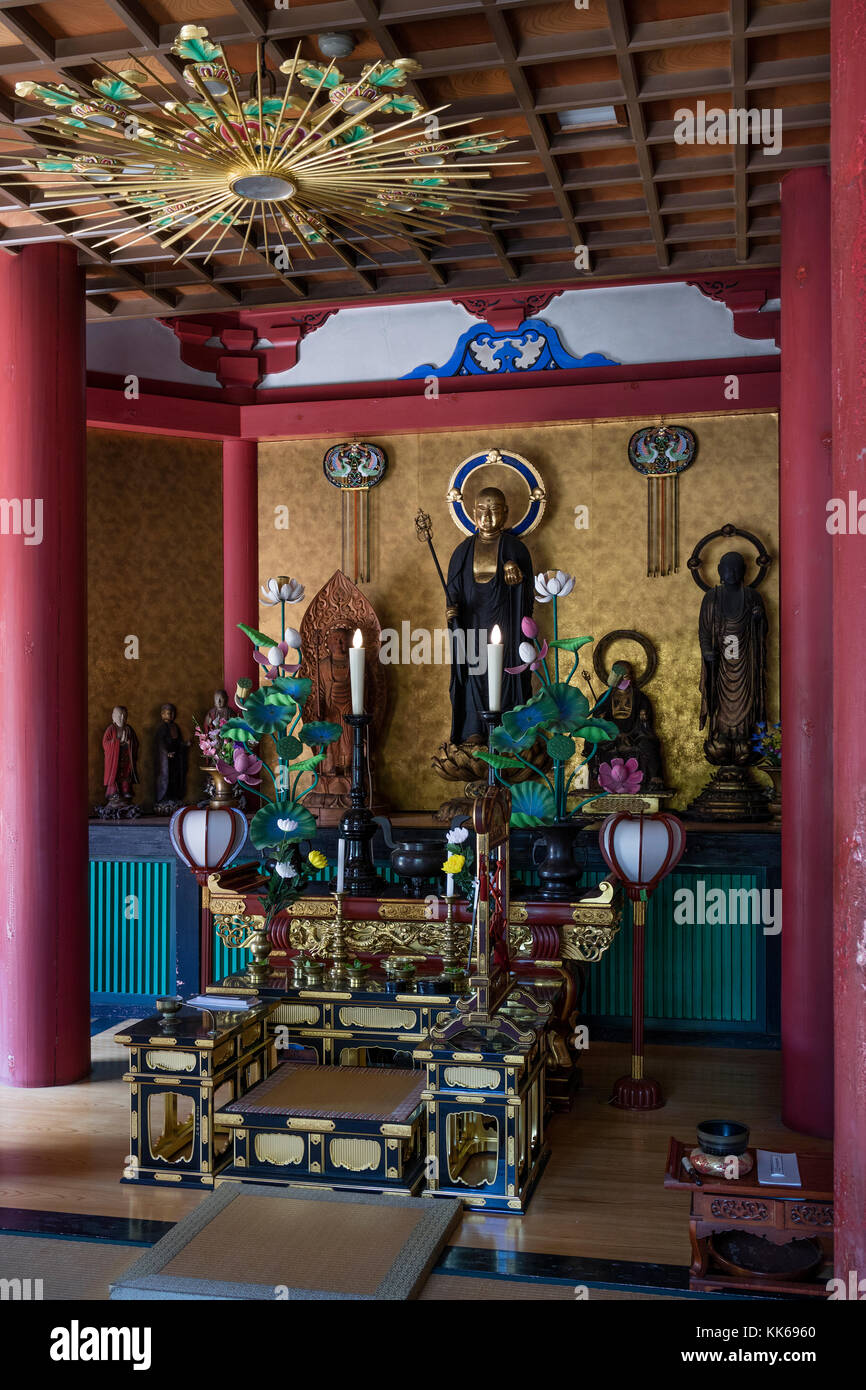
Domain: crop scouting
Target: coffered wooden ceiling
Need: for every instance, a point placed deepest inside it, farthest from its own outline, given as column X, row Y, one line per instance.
column 641, row 203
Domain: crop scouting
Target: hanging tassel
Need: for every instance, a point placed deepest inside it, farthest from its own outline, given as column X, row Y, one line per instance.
column 661, row 453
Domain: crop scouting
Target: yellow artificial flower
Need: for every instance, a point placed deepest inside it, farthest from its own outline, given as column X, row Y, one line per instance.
column 454, row 864
column 317, row 858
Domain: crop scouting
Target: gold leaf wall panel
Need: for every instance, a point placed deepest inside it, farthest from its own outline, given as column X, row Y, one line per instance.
column 734, row 478
column 154, row 571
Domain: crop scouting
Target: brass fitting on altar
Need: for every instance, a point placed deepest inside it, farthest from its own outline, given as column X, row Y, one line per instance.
column 339, row 954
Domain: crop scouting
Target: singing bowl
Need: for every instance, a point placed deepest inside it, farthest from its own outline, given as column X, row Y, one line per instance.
column 723, row 1137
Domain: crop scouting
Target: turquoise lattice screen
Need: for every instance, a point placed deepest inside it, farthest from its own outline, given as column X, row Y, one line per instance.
column 130, row 927
column 705, row 972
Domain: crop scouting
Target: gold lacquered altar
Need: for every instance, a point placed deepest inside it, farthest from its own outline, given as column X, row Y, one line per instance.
column 575, row 931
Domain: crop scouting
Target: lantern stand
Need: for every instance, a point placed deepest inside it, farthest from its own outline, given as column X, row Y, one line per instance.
column 640, row 859
column 206, row 840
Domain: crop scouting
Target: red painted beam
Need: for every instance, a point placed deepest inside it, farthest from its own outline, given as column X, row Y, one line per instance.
column 161, row 414
column 585, row 393
column 848, row 267
column 44, row 972
column 805, row 481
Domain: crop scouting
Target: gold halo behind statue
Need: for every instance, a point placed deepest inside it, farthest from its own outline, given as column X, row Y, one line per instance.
column 516, row 478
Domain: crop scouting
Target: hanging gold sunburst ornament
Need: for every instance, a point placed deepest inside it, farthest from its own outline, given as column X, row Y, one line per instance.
column 306, row 162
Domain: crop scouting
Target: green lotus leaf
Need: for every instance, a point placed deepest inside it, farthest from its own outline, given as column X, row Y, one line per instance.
column 320, row 732
column 522, row 723
column 261, row 639
column 571, row 644
column 268, row 710
column 239, row 731
column 307, row 764
column 599, row 731
column 498, row 760
column 571, row 708
column 532, row 803
column 266, row 834
column 298, row 687
column 561, row 747
column 502, row 742
column 288, row 747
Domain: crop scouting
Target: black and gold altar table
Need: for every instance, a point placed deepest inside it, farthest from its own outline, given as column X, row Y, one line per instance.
column 336, row 1127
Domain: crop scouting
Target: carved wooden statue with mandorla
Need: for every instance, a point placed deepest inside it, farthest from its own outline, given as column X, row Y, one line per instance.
column 732, row 632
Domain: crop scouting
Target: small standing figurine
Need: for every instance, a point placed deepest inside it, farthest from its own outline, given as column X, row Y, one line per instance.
column 219, row 711
column 120, row 770
column 170, row 760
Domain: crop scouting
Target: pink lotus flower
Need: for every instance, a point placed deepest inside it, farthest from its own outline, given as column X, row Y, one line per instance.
column 244, row 767
column 274, row 661
column 533, row 656
column 529, row 627
column 619, row 776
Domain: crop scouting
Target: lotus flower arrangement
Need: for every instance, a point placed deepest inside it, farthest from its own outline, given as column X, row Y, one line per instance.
column 558, row 713
column 269, row 722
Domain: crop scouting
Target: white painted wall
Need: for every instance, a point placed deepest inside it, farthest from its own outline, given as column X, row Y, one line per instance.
column 632, row 324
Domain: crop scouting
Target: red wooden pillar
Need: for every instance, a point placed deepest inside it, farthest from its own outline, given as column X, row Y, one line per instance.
column 240, row 558
column 44, row 938
column 805, row 480
column 848, row 236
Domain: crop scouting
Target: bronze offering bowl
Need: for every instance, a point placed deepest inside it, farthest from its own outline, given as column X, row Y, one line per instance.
column 168, row 1009
column 721, row 1138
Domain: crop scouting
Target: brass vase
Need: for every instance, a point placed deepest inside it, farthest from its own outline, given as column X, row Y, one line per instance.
column 222, row 791
column 775, row 776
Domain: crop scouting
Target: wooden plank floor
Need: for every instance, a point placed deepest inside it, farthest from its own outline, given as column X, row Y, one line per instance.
column 601, row 1195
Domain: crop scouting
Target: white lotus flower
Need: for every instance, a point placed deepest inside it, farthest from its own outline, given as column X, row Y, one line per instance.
column 275, row 656
column 285, row 870
column 282, row 590
column 293, row 638
column 553, row 584
column 457, row 837
column 527, row 652
column 287, row 825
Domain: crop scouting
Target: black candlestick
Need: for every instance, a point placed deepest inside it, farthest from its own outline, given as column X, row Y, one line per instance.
column 357, row 826
column 492, row 718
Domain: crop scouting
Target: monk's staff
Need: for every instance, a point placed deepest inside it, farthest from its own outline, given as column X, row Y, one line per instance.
column 424, row 532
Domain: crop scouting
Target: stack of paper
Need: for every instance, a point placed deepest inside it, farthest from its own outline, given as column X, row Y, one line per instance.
column 778, row 1170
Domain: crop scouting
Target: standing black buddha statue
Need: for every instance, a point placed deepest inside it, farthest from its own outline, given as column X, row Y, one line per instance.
column 490, row 584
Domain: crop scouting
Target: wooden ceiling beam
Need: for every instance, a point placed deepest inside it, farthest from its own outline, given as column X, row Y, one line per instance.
column 370, row 14
column 502, row 34
column 739, row 64
column 628, row 77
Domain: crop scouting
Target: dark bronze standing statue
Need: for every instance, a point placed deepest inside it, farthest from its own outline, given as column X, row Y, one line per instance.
column 169, row 763
column 490, row 584
column 732, row 632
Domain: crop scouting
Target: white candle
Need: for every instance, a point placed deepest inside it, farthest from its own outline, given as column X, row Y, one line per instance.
column 341, row 865
column 449, row 885
column 495, row 663
column 356, row 672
